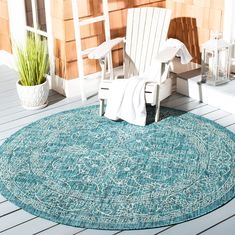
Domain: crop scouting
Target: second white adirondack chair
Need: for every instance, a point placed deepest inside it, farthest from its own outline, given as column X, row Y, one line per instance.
column 146, row 31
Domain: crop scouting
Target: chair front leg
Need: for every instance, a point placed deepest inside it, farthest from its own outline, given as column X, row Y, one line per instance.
column 157, row 114
column 102, row 62
column 101, row 112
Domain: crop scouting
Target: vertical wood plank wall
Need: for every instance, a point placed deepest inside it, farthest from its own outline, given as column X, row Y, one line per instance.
column 92, row 35
column 193, row 21
column 5, row 41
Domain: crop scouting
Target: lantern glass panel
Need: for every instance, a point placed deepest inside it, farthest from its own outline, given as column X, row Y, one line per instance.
column 207, row 62
column 223, row 61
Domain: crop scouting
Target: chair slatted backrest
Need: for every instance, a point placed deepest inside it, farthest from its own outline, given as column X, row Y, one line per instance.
column 146, row 30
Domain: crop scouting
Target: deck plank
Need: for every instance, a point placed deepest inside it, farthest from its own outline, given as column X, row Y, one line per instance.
column 227, row 227
column 6, row 97
column 9, row 117
column 14, row 219
column 195, row 226
column 12, row 95
column 174, row 96
column 145, row 231
column 2, row 199
column 7, row 86
column 98, row 232
column 5, row 134
column 176, row 102
column 60, row 229
column 4, row 69
column 190, row 106
column 14, row 103
column 226, row 121
column 231, row 128
column 8, row 105
column 204, row 110
column 30, row 227
column 7, row 77
column 216, row 115
column 7, row 208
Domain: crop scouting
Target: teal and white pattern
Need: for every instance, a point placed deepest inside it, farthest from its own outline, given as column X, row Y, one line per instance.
column 84, row 170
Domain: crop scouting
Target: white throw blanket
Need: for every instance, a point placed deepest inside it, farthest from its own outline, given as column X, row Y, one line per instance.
column 127, row 101
column 127, row 96
column 183, row 52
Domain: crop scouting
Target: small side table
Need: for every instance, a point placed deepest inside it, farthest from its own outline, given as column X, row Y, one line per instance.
column 187, row 83
column 221, row 96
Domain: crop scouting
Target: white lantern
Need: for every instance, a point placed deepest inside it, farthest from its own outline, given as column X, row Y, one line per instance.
column 215, row 61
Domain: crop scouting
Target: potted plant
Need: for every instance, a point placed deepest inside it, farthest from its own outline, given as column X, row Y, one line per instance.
column 33, row 64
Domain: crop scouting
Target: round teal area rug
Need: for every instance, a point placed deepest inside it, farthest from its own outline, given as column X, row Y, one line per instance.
column 83, row 170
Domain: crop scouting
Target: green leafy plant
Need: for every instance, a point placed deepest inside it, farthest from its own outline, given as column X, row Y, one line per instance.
column 32, row 61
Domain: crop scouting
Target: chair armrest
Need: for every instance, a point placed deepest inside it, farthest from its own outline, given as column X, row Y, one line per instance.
column 167, row 54
column 102, row 50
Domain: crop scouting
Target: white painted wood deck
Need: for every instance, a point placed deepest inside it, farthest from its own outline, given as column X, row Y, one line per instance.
column 14, row 220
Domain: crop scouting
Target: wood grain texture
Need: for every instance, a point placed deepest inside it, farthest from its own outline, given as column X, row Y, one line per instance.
column 5, row 39
column 194, row 20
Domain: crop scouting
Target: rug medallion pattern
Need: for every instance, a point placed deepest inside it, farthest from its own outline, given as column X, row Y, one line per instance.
column 83, row 170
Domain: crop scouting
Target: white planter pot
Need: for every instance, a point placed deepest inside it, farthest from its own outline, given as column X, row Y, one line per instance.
column 33, row 97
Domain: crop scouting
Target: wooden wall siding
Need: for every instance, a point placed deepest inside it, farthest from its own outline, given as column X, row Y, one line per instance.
column 185, row 29
column 5, row 40
column 92, row 35
column 193, row 21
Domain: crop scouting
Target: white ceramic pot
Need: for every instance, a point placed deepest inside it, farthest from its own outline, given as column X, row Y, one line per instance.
column 33, row 97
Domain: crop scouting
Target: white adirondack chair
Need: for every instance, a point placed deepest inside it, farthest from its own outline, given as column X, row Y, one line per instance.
column 146, row 30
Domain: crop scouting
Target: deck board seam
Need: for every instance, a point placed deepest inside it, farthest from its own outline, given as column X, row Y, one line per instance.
column 119, row 232
column 3, row 201
column 188, row 102
column 204, row 114
column 199, row 106
column 230, row 125
column 164, row 230
column 14, row 226
column 46, row 229
column 216, row 224
column 80, row 231
column 222, row 117
column 8, row 213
